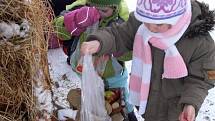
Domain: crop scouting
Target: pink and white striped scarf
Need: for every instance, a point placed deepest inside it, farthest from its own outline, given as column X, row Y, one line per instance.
column 174, row 66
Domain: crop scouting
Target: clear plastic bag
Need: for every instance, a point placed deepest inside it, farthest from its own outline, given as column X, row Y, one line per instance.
column 92, row 95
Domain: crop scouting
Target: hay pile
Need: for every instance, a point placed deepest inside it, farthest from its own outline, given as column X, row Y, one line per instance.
column 24, row 31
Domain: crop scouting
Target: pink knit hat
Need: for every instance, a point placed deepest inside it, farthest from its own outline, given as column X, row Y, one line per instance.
column 161, row 11
column 78, row 20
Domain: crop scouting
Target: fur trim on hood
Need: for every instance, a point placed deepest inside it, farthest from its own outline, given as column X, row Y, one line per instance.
column 202, row 20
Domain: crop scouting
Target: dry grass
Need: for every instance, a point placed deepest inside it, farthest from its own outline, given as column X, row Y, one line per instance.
column 23, row 60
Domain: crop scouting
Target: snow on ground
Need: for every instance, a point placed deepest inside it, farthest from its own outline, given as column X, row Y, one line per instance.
column 65, row 79
column 207, row 111
column 62, row 76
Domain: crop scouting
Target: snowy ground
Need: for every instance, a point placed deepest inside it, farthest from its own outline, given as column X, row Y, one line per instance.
column 62, row 75
column 65, row 79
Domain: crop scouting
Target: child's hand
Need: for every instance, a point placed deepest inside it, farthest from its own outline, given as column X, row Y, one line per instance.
column 188, row 113
column 90, row 47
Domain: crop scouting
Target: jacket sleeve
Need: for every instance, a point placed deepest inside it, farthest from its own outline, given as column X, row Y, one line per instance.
column 118, row 38
column 77, row 21
column 201, row 76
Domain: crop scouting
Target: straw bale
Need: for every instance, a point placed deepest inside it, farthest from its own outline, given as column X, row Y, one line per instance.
column 23, row 60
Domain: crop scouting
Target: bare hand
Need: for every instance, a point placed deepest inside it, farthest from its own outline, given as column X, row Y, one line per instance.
column 90, row 47
column 188, row 113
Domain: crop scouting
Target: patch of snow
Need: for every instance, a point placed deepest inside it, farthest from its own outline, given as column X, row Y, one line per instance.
column 63, row 77
column 12, row 29
column 131, row 4
column 64, row 114
column 207, row 111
